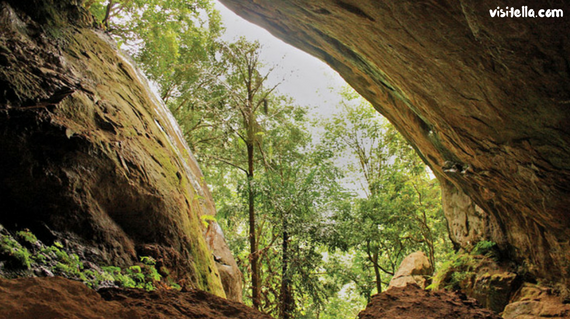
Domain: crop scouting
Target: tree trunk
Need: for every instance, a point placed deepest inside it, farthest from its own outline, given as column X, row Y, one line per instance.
column 377, row 272
column 108, row 14
column 286, row 295
column 254, row 256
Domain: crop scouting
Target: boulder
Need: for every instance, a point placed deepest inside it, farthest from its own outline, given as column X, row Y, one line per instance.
column 414, row 269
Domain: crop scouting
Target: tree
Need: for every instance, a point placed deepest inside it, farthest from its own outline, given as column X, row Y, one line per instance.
column 237, row 116
column 301, row 187
column 399, row 204
column 174, row 42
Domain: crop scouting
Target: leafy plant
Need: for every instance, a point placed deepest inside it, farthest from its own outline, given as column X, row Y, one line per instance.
column 27, row 236
column 144, row 276
column 206, row 219
column 486, row 248
column 62, row 262
column 14, row 249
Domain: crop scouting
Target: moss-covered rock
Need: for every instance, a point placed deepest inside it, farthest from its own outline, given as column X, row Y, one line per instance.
column 88, row 154
column 479, row 275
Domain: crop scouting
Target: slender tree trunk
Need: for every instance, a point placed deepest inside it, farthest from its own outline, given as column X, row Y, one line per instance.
column 108, row 14
column 254, row 256
column 286, row 296
column 377, row 272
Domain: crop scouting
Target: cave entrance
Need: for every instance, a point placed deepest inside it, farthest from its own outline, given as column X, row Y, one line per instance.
column 319, row 197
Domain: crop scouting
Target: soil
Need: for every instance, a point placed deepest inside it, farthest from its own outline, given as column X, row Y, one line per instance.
column 56, row 297
column 411, row 302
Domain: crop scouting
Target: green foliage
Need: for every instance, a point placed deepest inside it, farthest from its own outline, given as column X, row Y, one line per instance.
column 19, row 254
column 143, row 276
column 27, row 236
column 486, row 248
column 458, row 268
column 206, row 219
column 175, row 42
column 461, row 266
column 398, row 208
column 62, row 262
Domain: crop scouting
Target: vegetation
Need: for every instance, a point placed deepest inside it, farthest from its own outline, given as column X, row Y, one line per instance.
column 460, row 267
column 25, row 255
column 309, row 242
column 398, row 210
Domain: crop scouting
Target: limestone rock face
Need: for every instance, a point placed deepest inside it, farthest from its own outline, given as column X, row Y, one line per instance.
column 88, row 155
column 414, row 269
column 484, row 100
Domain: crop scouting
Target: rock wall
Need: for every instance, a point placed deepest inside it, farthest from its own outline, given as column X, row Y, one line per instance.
column 484, row 100
column 88, row 155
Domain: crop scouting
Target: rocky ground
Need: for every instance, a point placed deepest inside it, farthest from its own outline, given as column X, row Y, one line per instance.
column 411, row 302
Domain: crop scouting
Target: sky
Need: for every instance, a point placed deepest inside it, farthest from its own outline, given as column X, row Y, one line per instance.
column 307, row 79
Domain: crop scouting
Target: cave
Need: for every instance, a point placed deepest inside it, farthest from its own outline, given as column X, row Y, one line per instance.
column 483, row 100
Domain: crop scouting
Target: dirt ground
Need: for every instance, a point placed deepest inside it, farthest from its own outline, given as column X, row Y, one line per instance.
column 51, row 298
column 411, row 302
column 55, row 297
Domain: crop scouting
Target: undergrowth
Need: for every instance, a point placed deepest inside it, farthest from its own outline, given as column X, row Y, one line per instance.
column 23, row 255
column 462, row 266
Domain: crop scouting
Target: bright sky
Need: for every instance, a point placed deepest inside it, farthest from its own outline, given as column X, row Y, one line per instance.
column 306, row 79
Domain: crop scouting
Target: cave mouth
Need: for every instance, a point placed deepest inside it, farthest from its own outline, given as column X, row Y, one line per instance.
column 109, row 169
column 117, row 184
column 275, row 167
